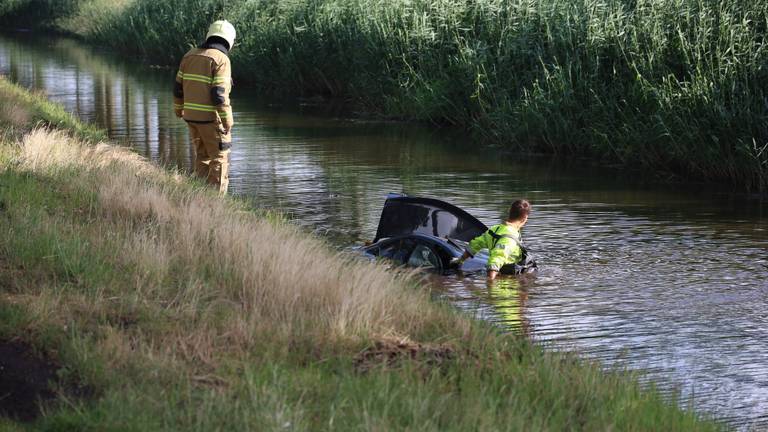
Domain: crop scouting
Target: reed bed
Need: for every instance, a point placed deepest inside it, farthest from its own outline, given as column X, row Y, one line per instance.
column 672, row 86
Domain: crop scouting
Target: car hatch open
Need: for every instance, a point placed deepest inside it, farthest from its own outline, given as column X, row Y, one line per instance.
column 406, row 215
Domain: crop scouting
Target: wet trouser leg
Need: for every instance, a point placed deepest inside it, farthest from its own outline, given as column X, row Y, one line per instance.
column 211, row 154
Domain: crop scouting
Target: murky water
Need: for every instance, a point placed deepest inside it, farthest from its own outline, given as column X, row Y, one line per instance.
column 670, row 280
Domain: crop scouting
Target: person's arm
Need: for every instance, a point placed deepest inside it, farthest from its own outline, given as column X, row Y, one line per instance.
column 220, row 89
column 474, row 245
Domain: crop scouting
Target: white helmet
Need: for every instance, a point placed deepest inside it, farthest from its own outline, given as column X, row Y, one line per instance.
column 223, row 29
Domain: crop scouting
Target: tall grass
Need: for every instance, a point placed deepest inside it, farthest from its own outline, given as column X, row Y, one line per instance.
column 34, row 13
column 196, row 252
column 676, row 86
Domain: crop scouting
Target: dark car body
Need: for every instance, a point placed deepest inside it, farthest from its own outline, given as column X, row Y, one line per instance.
column 427, row 233
column 424, row 251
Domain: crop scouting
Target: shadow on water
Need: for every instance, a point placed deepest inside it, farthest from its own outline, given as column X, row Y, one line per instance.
column 671, row 280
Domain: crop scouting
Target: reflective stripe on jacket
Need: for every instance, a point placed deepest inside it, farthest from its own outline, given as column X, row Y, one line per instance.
column 202, row 85
column 503, row 244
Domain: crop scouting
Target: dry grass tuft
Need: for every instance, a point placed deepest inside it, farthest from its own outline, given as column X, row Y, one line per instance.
column 50, row 151
column 392, row 352
column 198, row 254
column 14, row 113
column 42, row 150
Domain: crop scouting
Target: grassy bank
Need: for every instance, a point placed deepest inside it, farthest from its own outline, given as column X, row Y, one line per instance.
column 165, row 307
column 676, row 86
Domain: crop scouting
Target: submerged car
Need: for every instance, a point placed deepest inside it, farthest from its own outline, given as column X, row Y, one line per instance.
column 430, row 234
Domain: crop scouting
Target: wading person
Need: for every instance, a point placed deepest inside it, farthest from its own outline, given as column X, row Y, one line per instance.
column 505, row 249
column 201, row 98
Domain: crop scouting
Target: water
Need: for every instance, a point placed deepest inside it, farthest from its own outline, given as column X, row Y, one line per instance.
column 670, row 280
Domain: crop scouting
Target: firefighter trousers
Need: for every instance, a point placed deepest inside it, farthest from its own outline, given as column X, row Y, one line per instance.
column 211, row 147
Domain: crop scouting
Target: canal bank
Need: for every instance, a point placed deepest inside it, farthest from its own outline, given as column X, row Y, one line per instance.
column 101, row 275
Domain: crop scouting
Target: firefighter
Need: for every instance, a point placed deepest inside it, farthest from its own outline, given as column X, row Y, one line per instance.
column 201, row 98
column 503, row 241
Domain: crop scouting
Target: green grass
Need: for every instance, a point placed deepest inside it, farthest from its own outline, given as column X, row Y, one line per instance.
column 23, row 110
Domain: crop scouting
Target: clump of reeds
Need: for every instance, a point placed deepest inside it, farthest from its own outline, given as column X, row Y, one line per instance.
column 676, row 86
column 34, row 13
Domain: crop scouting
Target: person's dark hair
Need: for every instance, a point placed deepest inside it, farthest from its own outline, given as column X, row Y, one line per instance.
column 218, row 40
column 519, row 210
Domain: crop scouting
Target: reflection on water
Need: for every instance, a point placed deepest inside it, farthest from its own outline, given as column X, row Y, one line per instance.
column 673, row 282
column 503, row 300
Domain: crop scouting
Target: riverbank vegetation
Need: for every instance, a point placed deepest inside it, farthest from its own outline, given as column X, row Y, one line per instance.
column 674, row 86
column 161, row 306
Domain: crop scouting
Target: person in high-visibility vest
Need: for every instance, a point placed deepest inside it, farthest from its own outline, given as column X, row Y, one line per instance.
column 201, row 98
column 503, row 241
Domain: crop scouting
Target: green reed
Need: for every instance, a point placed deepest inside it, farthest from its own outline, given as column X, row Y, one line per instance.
column 676, row 86
column 34, row 13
